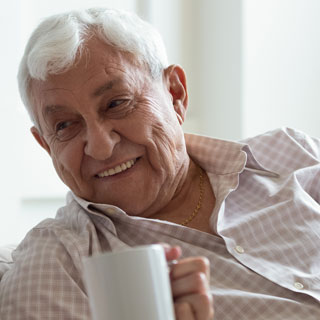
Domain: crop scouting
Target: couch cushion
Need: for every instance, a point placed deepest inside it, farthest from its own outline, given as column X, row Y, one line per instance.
column 5, row 258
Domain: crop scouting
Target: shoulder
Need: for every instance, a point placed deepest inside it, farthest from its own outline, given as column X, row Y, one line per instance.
column 46, row 271
column 285, row 149
column 67, row 235
column 283, row 137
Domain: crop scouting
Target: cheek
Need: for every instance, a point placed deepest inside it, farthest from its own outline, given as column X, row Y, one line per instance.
column 154, row 119
column 169, row 144
column 163, row 137
column 67, row 161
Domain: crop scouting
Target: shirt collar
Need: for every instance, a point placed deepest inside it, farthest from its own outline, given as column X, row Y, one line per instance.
column 215, row 155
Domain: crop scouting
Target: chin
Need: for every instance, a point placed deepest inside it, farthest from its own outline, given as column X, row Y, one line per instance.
column 131, row 210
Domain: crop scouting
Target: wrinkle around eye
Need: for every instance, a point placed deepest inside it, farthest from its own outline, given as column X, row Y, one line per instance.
column 120, row 111
column 60, row 125
column 68, row 132
column 116, row 103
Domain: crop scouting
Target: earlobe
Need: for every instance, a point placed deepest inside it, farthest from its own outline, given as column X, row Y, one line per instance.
column 176, row 82
column 40, row 139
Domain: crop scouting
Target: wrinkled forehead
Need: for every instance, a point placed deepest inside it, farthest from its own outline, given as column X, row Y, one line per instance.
column 95, row 56
column 98, row 63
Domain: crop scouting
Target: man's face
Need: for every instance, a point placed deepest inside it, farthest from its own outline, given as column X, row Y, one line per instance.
column 114, row 133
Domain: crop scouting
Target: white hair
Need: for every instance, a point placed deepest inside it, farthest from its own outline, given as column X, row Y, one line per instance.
column 59, row 40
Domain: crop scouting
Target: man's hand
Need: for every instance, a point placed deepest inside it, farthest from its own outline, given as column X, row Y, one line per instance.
column 190, row 286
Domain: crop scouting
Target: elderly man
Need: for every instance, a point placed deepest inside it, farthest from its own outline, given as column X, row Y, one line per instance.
column 108, row 109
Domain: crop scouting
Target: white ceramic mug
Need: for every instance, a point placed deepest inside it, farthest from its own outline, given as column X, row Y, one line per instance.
column 131, row 284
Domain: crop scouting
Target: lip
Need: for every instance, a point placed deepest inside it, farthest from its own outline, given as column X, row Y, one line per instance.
column 113, row 166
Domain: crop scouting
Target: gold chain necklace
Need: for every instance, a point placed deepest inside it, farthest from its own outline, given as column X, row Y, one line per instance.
column 199, row 204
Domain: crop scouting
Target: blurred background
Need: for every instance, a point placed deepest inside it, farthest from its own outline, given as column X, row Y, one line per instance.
column 252, row 66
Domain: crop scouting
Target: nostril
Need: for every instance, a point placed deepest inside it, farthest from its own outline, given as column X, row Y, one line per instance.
column 100, row 143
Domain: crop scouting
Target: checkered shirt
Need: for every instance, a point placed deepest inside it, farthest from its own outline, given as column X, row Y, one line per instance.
column 265, row 261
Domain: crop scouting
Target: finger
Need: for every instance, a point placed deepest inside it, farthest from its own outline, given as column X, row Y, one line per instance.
column 194, row 283
column 190, row 265
column 201, row 305
column 172, row 253
column 183, row 311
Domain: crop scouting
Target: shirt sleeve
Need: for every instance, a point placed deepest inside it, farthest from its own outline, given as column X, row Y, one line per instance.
column 288, row 151
column 309, row 177
column 310, row 144
column 44, row 282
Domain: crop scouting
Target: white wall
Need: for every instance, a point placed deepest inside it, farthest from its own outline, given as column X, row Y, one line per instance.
column 213, row 33
column 11, row 154
column 281, row 65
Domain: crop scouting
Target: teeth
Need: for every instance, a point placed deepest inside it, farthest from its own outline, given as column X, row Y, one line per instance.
column 122, row 167
column 129, row 164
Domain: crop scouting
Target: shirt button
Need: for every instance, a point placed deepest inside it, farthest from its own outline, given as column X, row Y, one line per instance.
column 239, row 249
column 298, row 285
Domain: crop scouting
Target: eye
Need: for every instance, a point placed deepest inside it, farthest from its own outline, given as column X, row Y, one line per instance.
column 116, row 103
column 117, row 108
column 66, row 130
column 63, row 125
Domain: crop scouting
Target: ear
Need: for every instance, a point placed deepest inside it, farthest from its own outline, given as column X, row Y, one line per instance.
column 175, row 79
column 40, row 139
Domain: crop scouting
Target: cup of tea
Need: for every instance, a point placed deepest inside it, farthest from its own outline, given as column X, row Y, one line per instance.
column 131, row 284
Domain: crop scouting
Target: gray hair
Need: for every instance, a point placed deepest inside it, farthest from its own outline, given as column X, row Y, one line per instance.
column 59, row 40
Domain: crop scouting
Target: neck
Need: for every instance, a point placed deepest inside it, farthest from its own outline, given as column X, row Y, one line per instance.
column 186, row 199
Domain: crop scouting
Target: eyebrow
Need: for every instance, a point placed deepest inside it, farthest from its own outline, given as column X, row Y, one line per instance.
column 52, row 108
column 105, row 87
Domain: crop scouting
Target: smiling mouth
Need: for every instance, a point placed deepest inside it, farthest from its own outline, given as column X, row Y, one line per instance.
column 119, row 168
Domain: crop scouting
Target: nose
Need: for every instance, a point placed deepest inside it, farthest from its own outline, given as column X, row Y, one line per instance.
column 101, row 140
